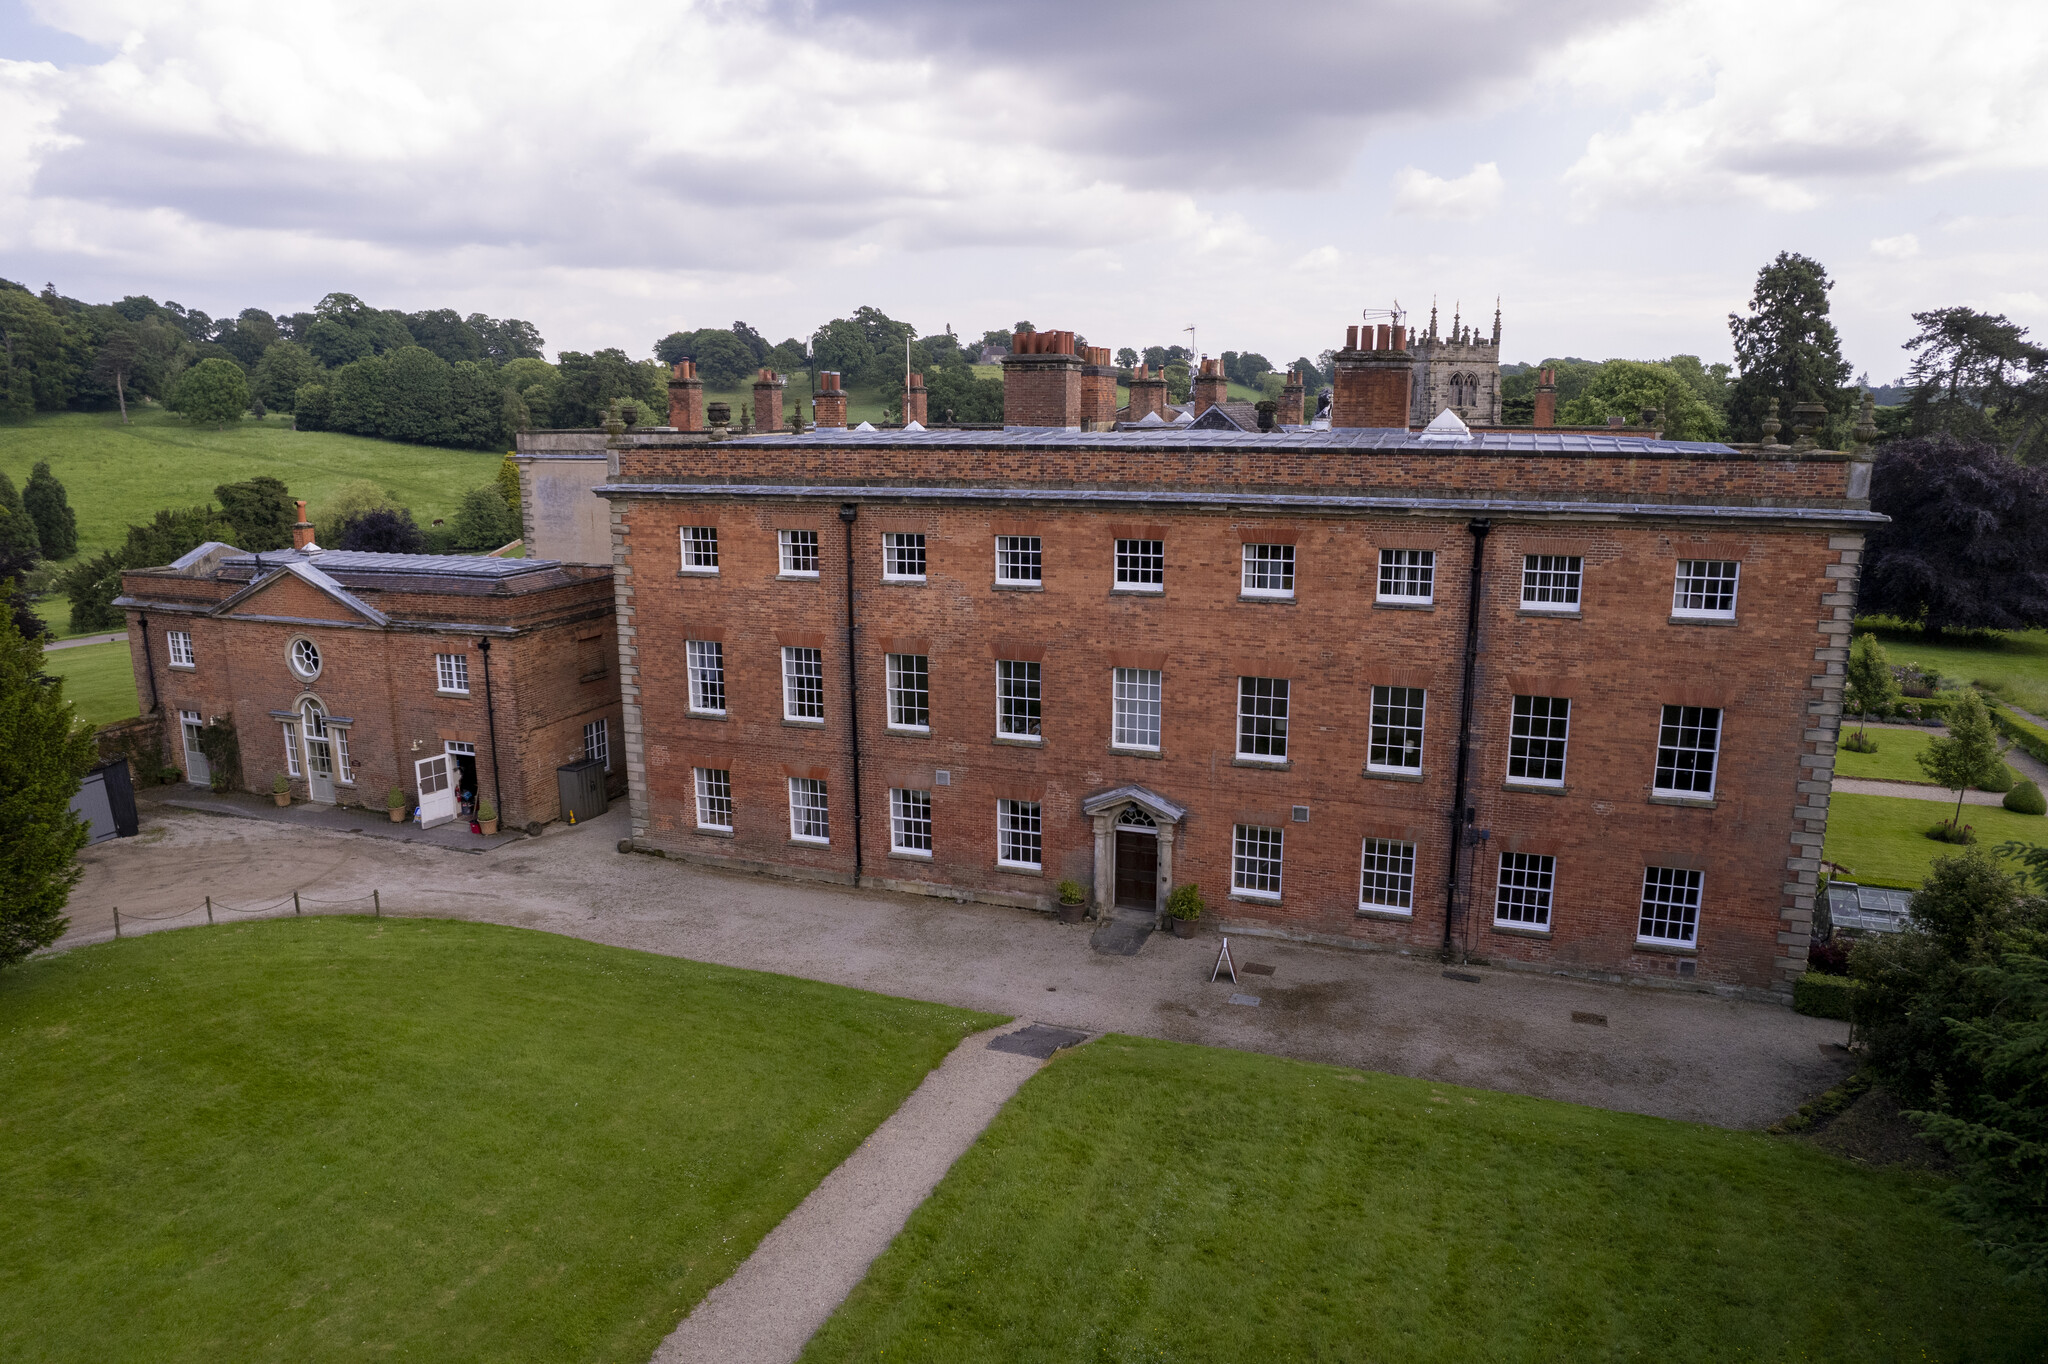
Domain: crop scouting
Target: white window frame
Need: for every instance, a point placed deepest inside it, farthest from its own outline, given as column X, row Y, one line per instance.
column 706, row 663
column 344, row 770
column 291, row 654
column 1525, row 882
column 816, row 796
column 1547, row 578
column 599, row 730
column 1020, row 827
column 1522, row 722
column 451, row 674
column 714, row 788
column 1005, row 691
column 1680, row 578
column 910, row 822
column 1256, row 571
column 1137, row 700
column 1665, row 721
column 1404, row 568
column 797, row 547
column 897, row 551
column 291, row 747
column 1284, row 697
column 179, row 645
column 1381, row 702
column 798, row 666
column 1014, row 552
column 699, row 549
column 1248, row 845
column 1673, row 896
column 1140, row 566
column 908, row 678
column 1386, row 869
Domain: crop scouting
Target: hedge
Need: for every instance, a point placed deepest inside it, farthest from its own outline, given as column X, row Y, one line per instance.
column 2028, row 736
column 1819, row 996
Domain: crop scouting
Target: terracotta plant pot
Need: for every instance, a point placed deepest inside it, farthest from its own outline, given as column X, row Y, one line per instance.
column 489, row 826
column 1072, row 914
column 397, row 814
column 283, row 798
column 1183, row 928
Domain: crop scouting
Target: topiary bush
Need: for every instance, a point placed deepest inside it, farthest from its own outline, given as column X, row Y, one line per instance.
column 2025, row 799
column 1185, row 902
column 2000, row 781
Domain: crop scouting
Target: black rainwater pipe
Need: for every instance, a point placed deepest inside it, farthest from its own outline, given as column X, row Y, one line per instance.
column 149, row 663
column 491, row 723
column 847, row 512
column 1461, row 818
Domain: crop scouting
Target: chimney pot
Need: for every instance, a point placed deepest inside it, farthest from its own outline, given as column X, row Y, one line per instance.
column 1383, row 338
column 1351, row 338
column 302, row 532
column 1400, row 338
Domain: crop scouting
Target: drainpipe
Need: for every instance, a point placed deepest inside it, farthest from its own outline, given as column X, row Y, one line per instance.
column 491, row 723
column 847, row 512
column 1461, row 817
column 149, row 662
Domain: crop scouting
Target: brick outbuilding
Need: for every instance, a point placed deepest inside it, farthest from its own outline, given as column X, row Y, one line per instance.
column 351, row 673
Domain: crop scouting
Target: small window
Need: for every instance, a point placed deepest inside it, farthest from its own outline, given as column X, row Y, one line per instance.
column 1395, row 743
column 1269, row 570
column 1141, row 565
column 1705, row 589
column 700, row 549
column 902, row 558
column 1521, row 896
column 305, row 660
column 1550, row 582
column 597, row 743
column 1017, row 700
column 1020, row 560
column 714, row 799
column 910, row 822
column 1671, row 906
column 1386, row 876
column 1262, row 718
column 810, row 821
column 1408, row 576
column 910, row 692
column 1255, row 861
column 344, row 770
column 1688, row 741
column 803, row 684
column 799, row 553
column 1019, row 834
column 291, row 748
column 451, row 673
column 1536, row 740
column 707, row 676
column 1134, row 722
column 181, row 648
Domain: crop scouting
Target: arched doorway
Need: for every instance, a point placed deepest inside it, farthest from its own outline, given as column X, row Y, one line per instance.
column 319, row 751
column 1134, row 836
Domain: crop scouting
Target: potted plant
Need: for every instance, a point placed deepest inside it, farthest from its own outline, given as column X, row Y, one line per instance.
column 281, row 790
column 1183, row 907
column 487, row 816
column 395, row 803
column 1073, row 901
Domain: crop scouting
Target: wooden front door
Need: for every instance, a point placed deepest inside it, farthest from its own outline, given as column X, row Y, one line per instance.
column 1137, row 869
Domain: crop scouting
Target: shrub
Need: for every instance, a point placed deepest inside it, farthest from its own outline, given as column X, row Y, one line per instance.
column 2025, row 799
column 1820, row 995
column 486, row 811
column 1072, row 892
column 223, row 750
column 1952, row 831
column 1830, row 958
column 281, row 784
column 2000, row 781
column 396, row 800
column 1185, row 902
column 1860, row 743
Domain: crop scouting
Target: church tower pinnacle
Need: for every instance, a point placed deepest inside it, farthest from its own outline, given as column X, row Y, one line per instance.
column 1496, row 321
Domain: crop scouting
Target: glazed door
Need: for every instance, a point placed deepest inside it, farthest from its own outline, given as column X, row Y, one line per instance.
column 197, row 770
column 437, row 792
column 1137, row 870
column 319, row 769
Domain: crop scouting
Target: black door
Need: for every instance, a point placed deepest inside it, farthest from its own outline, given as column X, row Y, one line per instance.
column 1137, row 868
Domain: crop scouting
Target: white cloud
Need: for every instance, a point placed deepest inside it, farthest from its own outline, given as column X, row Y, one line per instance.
column 1473, row 195
column 1905, row 246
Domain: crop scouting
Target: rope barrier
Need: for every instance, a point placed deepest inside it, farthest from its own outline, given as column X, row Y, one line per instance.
column 209, row 905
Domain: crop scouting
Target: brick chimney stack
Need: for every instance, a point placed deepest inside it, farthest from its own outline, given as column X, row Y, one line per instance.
column 1546, row 397
column 914, row 399
column 1148, row 394
column 1098, row 389
column 1211, row 388
column 1290, row 413
column 302, row 530
column 828, row 405
column 685, row 397
column 768, row 400
column 1373, row 378
column 1042, row 381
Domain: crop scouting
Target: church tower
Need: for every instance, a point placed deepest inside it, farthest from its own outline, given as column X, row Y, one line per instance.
column 1458, row 370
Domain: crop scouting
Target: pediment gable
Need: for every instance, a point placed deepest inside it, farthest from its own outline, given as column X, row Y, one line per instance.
column 295, row 592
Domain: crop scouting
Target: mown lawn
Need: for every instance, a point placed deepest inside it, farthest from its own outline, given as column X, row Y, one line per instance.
column 1145, row 1200
column 115, row 475
column 99, row 680
column 355, row 1139
column 2014, row 665
column 1896, row 759
column 1882, row 839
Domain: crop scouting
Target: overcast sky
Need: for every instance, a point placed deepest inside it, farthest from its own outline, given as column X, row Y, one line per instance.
column 1615, row 170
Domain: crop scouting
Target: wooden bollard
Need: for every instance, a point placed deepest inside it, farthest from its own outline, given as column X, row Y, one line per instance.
column 209, row 909
column 117, row 921
column 295, row 901
column 376, row 906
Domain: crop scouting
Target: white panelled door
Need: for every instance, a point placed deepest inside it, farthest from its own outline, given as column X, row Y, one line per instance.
column 437, row 793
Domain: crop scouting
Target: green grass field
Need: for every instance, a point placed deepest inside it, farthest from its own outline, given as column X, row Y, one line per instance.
column 1896, row 758
column 116, row 475
column 99, row 681
column 345, row 1139
column 1145, row 1200
column 2013, row 665
column 1881, row 839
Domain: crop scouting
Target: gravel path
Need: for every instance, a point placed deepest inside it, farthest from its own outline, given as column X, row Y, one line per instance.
column 1909, row 790
column 83, row 640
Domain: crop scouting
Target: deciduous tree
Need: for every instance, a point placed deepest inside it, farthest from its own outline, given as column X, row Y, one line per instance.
column 212, row 392
column 1969, row 754
column 260, row 510
column 1871, row 688
column 1967, row 544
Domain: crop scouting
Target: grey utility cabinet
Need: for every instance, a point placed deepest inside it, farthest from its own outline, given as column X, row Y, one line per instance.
column 581, row 785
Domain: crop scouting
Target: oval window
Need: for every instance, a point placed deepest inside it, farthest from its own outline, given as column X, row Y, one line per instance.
column 305, row 658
